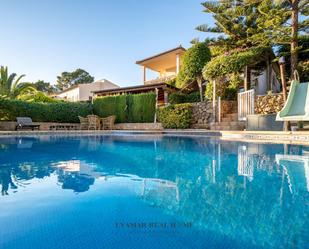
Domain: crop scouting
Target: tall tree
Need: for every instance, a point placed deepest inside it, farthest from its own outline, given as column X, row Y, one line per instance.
column 11, row 86
column 193, row 63
column 280, row 21
column 68, row 79
column 235, row 21
column 258, row 23
column 43, row 86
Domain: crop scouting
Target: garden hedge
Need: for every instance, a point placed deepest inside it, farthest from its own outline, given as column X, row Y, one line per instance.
column 179, row 98
column 175, row 116
column 64, row 112
column 128, row 108
column 111, row 105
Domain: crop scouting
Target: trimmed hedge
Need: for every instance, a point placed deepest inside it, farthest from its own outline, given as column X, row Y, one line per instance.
column 175, row 116
column 179, row 98
column 64, row 112
column 111, row 105
column 128, row 108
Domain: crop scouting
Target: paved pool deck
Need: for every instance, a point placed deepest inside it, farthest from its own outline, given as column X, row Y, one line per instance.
column 290, row 137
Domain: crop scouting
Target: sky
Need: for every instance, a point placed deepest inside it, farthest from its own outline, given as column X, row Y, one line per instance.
column 42, row 38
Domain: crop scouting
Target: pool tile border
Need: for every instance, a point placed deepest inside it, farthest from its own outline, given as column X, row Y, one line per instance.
column 298, row 137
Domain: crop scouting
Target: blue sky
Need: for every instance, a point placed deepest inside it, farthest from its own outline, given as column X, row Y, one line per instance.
column 42, row 38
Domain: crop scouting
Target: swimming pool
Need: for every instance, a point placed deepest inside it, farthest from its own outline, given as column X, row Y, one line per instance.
column 141, row 191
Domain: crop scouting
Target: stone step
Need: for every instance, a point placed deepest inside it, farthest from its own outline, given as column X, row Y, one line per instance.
column 231, row 115
column 228, row 119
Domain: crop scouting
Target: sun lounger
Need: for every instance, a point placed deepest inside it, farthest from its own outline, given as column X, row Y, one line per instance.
column 26, row 123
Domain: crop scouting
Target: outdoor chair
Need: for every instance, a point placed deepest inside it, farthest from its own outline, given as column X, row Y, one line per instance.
column 26, row 123
column 94, row 122
column 108, row 122
column 84, row 123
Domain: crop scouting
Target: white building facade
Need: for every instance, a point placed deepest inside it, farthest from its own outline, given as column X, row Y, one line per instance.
column 84, row 92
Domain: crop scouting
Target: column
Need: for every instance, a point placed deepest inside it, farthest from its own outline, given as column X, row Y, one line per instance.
column 177, row 63
column 165, row 98
column 144, row 74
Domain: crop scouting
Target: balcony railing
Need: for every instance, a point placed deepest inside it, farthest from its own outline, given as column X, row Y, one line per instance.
column 160, row 80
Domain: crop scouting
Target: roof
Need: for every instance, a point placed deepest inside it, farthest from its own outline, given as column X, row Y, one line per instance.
column 135, row 88
column 164, row 56
column 68, row 89
column 76, row 86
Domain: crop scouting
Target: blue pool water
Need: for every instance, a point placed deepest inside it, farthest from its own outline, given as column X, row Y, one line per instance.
column 123, row 191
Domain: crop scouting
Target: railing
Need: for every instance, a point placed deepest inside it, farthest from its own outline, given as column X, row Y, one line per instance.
column 245, row 104
column 160, row 79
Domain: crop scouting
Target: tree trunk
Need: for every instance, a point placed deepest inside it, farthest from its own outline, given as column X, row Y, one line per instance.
column 200, row 82
column 247, row 78
column 294, row 37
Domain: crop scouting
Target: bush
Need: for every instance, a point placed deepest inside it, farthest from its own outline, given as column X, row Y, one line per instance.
column 111, row 105
column 131, row 108
column 175, row 116
column 141, row 108
column 38, row 97
column 178, row 98
column 226, row 88
column 63, row 112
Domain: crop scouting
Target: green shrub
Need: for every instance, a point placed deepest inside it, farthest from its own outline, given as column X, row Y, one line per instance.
column 142, row 108
column 38, row 97
column 178, row 98
column 227, row 88
column 111, row 105
column 175, row 116
column 131, row 108
column 63, row 112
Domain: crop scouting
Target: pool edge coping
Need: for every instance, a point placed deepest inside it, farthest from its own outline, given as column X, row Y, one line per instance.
column 290, row 137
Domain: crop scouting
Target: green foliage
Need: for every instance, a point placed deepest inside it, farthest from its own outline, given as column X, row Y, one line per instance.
column 131, row 108
column 194, row 60
column 142, row 107
column 68, row 79
column 43, row 86
column 172, row 82
column 303, row 57
column 234, row 19
column 234, row 62
column 11, row 87
column 244, row 24
column 226, row 88
column 43, row 112
column 111, row 105
column 178, row 98
column 303, row 69
column 175, row 116
column 38, row 97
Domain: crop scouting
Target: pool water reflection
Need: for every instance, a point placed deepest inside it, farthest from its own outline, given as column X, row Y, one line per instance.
column 152, row 192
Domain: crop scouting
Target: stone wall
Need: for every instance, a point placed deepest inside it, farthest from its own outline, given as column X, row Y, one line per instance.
column 268, row 104
column 45, row 126
column 201, row 114
column 139, row 126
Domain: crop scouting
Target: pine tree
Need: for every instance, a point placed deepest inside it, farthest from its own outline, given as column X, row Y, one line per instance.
column 262, row 23
column 280, row 21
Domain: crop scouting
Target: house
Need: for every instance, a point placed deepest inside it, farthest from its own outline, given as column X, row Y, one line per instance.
column 84, row 92
column 166, row 65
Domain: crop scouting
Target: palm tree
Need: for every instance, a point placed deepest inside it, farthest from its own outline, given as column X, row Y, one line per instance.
column 13, row 88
